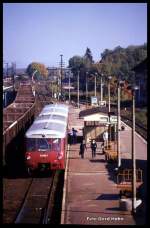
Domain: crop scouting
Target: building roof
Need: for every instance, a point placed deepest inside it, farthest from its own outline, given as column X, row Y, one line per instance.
column 91, row 111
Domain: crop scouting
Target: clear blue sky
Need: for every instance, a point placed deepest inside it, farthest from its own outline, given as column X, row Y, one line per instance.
column 42, row 31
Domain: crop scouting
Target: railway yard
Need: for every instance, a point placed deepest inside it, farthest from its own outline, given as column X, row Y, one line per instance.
column 88, row 191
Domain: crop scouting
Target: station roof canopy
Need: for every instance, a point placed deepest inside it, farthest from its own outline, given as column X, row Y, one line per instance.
column 98, row 115
column 97, row 110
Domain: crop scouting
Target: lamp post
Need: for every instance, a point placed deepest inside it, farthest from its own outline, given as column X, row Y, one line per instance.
column 69, row 87
column 95, row 75
column 86, row 88
column 109, row 78
column 120, row 83
column 61, row 65
column 78, row 88
column 101, row 88
column 134, row 88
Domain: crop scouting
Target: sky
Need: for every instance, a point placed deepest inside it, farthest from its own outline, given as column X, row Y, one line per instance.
column 41, row 32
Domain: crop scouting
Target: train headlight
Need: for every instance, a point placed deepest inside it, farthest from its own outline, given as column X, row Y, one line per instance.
column 28, row 157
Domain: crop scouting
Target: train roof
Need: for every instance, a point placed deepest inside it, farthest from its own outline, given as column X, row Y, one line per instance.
column 51, row 118
column 56, row 106
column 54, row 111
column 49, row 130
column 51, row 122
column 58, row 109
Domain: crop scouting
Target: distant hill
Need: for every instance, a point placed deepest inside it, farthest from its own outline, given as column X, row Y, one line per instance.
column 123, row 60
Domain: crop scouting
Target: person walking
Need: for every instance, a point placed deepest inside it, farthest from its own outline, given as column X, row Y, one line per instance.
column 74, row 135
column 93, row 148
column 82, row 149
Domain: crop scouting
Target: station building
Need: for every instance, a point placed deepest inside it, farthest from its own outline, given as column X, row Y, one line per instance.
column 96, row 121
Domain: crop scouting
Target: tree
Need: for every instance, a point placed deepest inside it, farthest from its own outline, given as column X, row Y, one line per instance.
column 41, row 71
column 88, row 59
column 76, row 63
column 123, row 60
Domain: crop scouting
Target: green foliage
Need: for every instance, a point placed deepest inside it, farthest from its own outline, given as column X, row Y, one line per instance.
column 88, row 59
column 122, row 60
column 76, row 63
column 38, row 69
column 119, row 61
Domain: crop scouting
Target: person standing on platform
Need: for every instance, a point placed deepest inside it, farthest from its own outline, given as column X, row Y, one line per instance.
column 105, row 138
column 82, row 148
column 74, row 135
column 93, row 148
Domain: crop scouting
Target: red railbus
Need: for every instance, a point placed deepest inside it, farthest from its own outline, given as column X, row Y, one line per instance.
column 46, row 139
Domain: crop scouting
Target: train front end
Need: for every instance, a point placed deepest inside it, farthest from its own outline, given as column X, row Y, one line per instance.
column 45, row 153
column 46, row 140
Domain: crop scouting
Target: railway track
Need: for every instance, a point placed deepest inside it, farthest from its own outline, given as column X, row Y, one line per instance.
column 138, row 128
column 36, row 206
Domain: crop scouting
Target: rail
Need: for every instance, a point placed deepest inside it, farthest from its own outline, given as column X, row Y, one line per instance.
column 36, row 204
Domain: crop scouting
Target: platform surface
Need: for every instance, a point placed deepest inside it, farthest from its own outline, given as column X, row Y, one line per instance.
column 91, row 193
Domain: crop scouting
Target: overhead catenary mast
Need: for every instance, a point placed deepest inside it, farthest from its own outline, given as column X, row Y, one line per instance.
column 61, row 72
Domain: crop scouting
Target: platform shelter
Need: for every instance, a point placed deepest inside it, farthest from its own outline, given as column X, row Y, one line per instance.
column 96, row 121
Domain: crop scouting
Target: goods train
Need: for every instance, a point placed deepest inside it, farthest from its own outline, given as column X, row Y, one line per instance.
column 46, row 139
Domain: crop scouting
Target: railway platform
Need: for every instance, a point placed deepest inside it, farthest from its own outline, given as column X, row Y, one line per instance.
column 90, row 195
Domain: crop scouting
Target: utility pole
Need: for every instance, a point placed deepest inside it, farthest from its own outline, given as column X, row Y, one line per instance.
column 78, row 88
column 61, row 72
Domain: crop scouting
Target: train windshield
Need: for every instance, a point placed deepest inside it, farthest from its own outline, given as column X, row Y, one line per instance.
column 43, row 144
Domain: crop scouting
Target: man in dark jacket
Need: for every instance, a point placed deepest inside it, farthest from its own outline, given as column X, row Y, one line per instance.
column 82, row 149
column 74, row 135
column 93, row 148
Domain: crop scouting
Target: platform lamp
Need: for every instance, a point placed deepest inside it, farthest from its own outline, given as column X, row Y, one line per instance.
column 101, row 76
column 68, row 73
column 86, row 88
column 109, row 79
column 133, row 88
column 120, row 83
column 95, row 77
column 78, row 83
column 109, row 129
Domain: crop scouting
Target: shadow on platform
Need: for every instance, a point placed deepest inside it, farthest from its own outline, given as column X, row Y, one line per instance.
column 108, row 197
column 97, row 160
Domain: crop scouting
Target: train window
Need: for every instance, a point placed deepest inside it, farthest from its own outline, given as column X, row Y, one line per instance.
column 56, row 146
column 42, row 145
column 31, row 144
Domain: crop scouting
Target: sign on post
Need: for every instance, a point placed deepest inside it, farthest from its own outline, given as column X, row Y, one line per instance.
column 113, row 119
column 94, row 101
column 104, row 119
column 102, row 103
